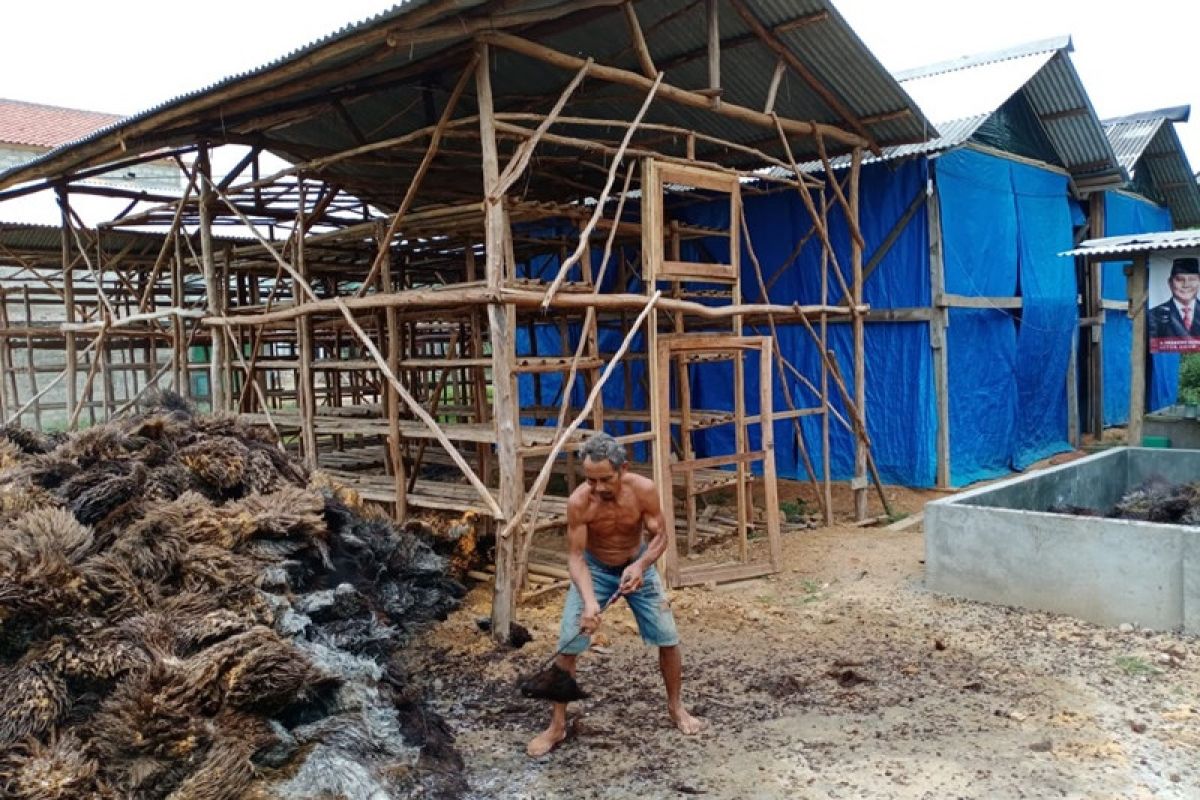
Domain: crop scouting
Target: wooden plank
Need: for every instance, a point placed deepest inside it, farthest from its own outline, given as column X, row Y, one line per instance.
column 680, row 467
column 964, row 301
column 721, row 573
column 860, row 346
column 770, row 480
column 698, row 177
column 937, row 339
column 1137, row 285
column 501, row 325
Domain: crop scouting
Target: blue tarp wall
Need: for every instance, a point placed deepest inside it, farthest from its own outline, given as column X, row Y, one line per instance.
column 1003, row 225
column 1125, row 214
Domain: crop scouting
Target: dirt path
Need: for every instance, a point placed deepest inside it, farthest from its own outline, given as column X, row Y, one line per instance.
column 840, row 677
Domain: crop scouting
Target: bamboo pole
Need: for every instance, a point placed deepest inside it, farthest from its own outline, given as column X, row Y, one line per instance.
column 410, row 193
column 565, row 267
column 797, row 430
column 216, row 389
column 564, row 435
column 68, row 278
column 344, row 309
column 520, row 160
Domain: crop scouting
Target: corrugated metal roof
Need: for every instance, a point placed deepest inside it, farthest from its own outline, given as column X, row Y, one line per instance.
column 30, row 240
column 1137, row 243
column 37, row 125
column 1130, row 139
column 1148, row 146
column 962, row 93
column 381, row 85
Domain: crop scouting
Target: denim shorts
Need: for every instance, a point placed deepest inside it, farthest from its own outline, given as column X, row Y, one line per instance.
column 650, row 606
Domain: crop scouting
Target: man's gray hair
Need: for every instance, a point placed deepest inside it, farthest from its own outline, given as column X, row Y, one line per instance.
column 603, row 447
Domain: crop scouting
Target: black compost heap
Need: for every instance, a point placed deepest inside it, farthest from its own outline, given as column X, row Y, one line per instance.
column 186, row 613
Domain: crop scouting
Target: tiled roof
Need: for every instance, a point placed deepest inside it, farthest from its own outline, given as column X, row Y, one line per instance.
column 36, row 125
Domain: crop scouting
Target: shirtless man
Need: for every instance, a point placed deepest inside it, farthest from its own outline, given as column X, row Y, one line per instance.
column 605, row 519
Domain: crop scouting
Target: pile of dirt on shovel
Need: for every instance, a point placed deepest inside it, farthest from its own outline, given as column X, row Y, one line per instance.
column 185, row 612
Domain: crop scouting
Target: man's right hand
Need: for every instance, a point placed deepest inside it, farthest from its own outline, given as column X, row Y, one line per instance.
column 590, row 620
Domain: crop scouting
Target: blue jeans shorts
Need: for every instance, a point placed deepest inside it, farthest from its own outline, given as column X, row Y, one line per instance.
column 651, row 609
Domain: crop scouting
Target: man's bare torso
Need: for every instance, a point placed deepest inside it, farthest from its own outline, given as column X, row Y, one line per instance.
column 614, row 527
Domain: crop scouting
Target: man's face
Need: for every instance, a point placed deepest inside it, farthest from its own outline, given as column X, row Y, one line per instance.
column 602, row 477
column 1184, row 287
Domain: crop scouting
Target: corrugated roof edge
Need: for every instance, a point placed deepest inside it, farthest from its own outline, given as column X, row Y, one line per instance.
column 1136, row 243
column 395, row 12
column 979, row 59
column 1171, row 114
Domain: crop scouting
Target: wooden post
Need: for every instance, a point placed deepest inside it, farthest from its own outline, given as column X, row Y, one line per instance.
column 30, row 361
column 860, row 348
column 1094, row 309
column 68, row 298
column 714, row 47
column 501, row 326
column 938, row 321
column 1137, row 283
column 6, row 360
column 826, row 483
column 179, row 354
column 216, row 370
column 306, row 389
column 391, row 404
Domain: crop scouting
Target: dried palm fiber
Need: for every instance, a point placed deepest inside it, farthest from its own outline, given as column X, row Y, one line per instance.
column 1158, row 500
column 28, row 441
column 219, row 462
column 183, row 609
column 33, row 696
column 57, row 770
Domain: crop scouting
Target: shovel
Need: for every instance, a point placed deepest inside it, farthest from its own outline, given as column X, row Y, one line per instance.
column 554, row 683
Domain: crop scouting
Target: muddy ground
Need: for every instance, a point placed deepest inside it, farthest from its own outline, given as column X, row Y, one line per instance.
column 840, row 677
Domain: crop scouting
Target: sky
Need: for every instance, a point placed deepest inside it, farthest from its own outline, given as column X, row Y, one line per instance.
column 124, row 56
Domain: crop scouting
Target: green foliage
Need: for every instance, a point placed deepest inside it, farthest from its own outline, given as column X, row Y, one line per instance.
column 794, row 510
column 1135, row 665
column 1189, row 380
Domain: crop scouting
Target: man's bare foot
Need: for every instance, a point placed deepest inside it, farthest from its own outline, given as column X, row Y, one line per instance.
column 686, row 723
column 546, row 741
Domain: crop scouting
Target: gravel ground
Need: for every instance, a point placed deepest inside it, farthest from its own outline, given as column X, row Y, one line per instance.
column 842, row 676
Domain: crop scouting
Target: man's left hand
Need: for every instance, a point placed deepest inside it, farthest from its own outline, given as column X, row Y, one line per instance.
column 631, row 578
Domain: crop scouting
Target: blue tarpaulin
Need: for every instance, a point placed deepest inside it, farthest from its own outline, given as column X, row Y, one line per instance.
column 1003, row 224
column 1124, row 214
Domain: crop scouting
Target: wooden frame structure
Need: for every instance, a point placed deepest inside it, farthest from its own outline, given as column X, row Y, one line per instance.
column 390, row 339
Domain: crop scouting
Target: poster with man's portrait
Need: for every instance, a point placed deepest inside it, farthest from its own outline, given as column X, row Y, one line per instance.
column 1174, row 311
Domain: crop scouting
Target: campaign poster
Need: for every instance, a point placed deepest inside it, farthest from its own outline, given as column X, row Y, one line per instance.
column 1174, row 317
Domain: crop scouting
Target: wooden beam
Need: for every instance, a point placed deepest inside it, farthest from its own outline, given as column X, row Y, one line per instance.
column 783, row 51
column 937, row 338
column 645, row 61
column 1137, row 284
column 713, row 25
column 773, row 86
column 671, row 93
column 501, row 326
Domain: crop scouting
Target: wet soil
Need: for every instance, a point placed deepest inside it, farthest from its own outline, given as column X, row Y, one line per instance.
column 841, row 676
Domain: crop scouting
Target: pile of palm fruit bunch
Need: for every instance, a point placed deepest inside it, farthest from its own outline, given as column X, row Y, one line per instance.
column 1159, row 500
column 186, row 612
